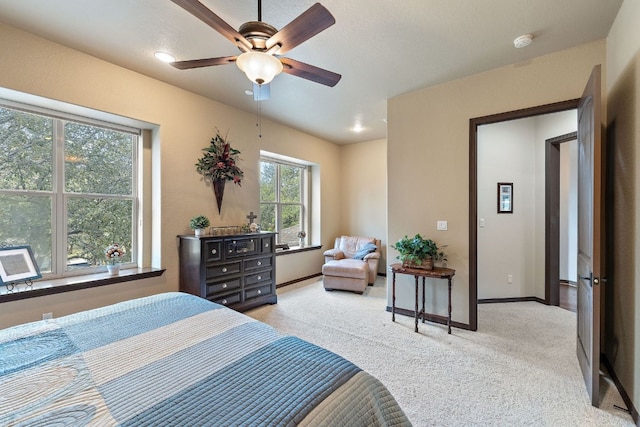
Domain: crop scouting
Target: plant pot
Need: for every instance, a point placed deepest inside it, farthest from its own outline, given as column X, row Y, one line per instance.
column 113, row 269
column 425, row 264
column 199, row 232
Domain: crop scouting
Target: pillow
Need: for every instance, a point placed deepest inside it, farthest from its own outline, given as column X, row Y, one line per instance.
column 366, row 249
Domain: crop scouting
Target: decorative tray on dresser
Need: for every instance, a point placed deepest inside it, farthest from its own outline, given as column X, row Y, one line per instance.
column 238, row 270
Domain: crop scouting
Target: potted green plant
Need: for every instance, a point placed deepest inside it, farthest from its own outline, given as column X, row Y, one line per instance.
column 417, row 252
column 198, row 224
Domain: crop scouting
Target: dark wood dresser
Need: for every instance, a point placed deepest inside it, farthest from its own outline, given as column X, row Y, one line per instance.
column 238, row 270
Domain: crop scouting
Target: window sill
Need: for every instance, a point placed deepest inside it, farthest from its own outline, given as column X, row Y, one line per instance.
column 49, row 287
column 297, row 249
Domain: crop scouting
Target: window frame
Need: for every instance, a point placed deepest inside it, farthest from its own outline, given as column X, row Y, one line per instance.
column 305, row 180
column 60, row 197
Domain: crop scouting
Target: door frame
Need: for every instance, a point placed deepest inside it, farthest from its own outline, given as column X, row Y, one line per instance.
column 552, row 217
column 473, row 187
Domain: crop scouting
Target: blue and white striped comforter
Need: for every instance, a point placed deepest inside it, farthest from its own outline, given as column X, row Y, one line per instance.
column 178, row 360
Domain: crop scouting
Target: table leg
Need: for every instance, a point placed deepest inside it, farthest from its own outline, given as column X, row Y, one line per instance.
column 449, row 318
column 393, row 298
column 423, row 311
column 416, row 316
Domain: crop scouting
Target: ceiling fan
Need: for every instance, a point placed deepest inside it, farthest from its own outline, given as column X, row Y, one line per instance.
column 262, row 44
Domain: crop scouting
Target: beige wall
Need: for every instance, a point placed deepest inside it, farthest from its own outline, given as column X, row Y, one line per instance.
column 506, row 243
column 364, row 192
column 428, row 153
column 622, row 326
column 186, row 123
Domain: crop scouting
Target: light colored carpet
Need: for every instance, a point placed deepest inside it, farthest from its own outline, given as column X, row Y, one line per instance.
column 519, row 368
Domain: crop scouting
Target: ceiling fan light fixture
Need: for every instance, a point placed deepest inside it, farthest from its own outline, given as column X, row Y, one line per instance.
column 259, row 67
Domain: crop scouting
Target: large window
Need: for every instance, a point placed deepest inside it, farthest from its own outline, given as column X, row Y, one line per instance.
column 284, row 199
column 67, row 188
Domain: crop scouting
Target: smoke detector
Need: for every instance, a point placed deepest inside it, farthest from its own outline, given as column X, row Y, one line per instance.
column 523, row 41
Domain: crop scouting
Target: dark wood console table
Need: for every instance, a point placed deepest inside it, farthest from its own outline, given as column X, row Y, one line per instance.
column 436, row 273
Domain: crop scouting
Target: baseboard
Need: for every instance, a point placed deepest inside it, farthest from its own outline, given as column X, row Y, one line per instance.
column 431, row 318
column 291, row 282
column 519, row 299
column 623, row 393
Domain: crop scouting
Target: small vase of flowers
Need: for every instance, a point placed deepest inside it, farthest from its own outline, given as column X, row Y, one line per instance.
column 301, row 236
column 114, row 254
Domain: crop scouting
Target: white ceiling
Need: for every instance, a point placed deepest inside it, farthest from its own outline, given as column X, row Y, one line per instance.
column 382, row 48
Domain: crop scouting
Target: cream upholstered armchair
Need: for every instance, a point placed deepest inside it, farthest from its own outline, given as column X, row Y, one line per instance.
column 351, row 264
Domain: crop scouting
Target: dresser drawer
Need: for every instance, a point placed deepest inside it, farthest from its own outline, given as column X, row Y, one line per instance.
column 222, row 269
column 252, row 279
column 228, row 299
column 258, row 292
column 212, row 250
column 253, row 264
column 241, row 247
column 266, row 245
column 227, row 285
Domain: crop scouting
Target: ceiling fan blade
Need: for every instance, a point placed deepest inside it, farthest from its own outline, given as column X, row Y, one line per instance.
column 314, row 20
column 309, row 72
column 205, row 62
column 204, row 14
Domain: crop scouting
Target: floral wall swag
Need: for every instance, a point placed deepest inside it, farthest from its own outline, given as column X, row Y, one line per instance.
column 219, row 163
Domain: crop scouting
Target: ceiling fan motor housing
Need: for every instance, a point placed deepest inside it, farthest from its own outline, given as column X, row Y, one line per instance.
column 257, row 32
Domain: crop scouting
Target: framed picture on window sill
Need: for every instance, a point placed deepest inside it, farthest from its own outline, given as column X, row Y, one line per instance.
column 505, row 197
column 17, row 264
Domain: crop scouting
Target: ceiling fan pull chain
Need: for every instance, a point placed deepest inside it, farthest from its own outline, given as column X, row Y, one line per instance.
column 259, row 111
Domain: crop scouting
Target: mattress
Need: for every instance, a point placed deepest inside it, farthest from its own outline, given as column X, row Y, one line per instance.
column 174, row 359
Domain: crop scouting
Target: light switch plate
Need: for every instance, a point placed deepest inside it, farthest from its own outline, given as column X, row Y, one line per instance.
column 442, row 225
column 481, row 222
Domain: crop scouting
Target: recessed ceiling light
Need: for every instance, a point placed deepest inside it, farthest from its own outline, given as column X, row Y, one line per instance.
column 248, row 92
column 164, row 57
column 523, row 41
column 357, row 128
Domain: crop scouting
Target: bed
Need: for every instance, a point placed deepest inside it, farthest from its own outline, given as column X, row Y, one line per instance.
column 180, row 360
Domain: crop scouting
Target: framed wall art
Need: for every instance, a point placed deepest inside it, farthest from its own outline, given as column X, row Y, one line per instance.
column 17, row 264
column 505, row 197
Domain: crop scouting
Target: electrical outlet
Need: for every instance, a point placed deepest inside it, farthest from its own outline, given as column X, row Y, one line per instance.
column 47, row 316
column 442, row 225
column 510, row 278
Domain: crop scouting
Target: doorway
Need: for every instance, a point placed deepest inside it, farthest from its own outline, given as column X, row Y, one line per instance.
column 561, row 220
column 473, row 189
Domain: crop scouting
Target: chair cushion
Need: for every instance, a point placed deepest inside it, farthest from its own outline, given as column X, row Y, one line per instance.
column 352, row 268
column 365, row 250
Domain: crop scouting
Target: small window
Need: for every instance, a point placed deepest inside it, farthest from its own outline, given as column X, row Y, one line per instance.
column 284, row 199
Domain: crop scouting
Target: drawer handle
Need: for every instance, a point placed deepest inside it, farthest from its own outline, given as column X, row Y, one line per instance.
column 224, row 301
column 213, row 251
column 259, row 262
column 224, row 286
column 224, row 269
column 259, row 291
column 259, row 277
